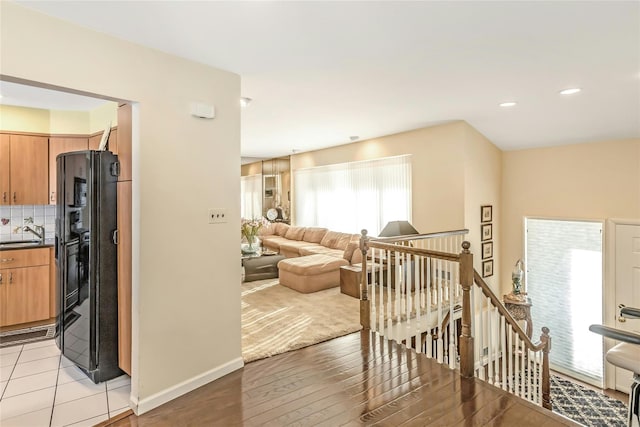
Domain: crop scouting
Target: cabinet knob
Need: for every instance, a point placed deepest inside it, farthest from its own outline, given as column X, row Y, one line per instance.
column 10, row 278
column 0, row 278
column 53, row 196
column 6, row 259
column 14, row 196
column 4, row 196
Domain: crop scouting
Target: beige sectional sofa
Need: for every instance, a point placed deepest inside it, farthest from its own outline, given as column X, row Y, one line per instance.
column 314, row 255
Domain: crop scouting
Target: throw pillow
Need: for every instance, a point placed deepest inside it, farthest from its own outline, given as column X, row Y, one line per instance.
column 295, row 233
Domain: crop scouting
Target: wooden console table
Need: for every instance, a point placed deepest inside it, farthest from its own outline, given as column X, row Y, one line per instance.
column 520, row 310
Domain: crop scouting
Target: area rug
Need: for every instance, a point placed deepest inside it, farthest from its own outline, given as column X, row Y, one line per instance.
column 28, row 335
column 276, row 319
column 586, row 406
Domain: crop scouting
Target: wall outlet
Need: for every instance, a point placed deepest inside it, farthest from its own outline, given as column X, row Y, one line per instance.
column 217, row 216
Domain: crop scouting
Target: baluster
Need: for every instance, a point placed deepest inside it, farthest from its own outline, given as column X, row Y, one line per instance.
column 381, row 287
column 429, row 284
column 503, row 352
column 491, row 338
column 390, row 296
column 510, row 353
column 406, row 270
column 417, row 301
column 523, row 364
column 440, row 343
column 452, row 340
column 374, row 307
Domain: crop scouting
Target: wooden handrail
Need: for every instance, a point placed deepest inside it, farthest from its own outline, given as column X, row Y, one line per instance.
column 420, row 236
column 505, row 313
column 413, row 251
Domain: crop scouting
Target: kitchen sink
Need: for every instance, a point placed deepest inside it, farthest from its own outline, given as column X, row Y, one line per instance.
column 16, row 244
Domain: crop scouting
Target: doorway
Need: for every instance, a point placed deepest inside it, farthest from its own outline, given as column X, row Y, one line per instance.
column 564, row 268
column 624, row 279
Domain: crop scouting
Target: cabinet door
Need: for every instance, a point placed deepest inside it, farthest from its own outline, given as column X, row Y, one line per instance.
column 57, row 146
column 29, row 170
column 5, row 189
column 124, row 275
column 26, row 294
column 124, row 141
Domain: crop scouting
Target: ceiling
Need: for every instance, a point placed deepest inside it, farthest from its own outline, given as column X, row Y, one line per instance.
column 322, row 72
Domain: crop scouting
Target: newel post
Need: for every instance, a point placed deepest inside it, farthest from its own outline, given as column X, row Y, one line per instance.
column 466, row 339
column 546, row 380
column 365, row 309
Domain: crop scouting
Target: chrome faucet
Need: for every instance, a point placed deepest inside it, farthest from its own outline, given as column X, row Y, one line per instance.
column 38, row 232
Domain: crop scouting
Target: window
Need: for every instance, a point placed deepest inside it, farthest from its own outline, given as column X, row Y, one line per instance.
column 564, row 282
column 251, row 196
column 348, row 197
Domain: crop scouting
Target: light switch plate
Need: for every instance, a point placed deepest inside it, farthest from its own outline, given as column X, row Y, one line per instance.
column 217, row 216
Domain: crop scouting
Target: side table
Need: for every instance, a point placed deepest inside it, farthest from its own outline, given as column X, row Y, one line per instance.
column 520, row 310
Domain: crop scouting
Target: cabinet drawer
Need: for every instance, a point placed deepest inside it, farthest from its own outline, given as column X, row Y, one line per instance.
column 24, row 258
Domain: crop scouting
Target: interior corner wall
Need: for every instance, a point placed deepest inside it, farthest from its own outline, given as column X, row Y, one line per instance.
column 437, row 170
column 599, row 180
column 249, row 169
column 185, row 290
column 483, row 183
column 101, row 116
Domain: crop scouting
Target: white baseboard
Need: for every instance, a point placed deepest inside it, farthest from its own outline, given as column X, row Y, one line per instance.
column 148, row 403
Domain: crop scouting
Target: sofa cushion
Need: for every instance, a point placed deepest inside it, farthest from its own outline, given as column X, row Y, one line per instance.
column 317, row 249
column 281, row 228
column 330, row 238
column 349, row 250
column 273, row 242
column 267, row 230
column 293, row 248
column 342, row 242
column 295, row 233
column 314, row 234
column 312, row 264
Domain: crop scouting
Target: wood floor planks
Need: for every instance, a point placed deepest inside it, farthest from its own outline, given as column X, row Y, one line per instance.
column 359, row 379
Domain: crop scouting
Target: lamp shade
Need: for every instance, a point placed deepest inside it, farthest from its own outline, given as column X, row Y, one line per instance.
column 398, row 228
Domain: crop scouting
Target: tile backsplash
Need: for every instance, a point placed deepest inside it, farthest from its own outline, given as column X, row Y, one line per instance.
column 12, row 217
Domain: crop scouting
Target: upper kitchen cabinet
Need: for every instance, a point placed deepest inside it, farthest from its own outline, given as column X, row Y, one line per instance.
column 59, row 145
column 124, row 141
column 112, row 145
column 24, row 177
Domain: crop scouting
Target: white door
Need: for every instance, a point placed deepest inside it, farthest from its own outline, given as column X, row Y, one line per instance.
column 627, row 284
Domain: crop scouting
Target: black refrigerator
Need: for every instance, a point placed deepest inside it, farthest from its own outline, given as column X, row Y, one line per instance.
column 86, row 261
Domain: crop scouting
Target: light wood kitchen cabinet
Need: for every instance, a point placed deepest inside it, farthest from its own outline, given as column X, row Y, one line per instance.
column 24, row 286
column 5, row 189
column 94, row 141
column 124, row 275
column 59, row 145
column 28, row 170
column 124, row 141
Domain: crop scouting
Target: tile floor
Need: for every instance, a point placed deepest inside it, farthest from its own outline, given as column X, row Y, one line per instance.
column 40, row 387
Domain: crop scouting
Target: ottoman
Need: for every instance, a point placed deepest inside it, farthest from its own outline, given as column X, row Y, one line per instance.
column 311, row 273
column 260, row 268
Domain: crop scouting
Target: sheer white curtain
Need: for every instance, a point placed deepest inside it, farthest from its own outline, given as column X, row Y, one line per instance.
column 251, row 196
column 348, row 197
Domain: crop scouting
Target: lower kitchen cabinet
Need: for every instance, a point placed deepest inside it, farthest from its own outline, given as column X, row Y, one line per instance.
column 24, row 286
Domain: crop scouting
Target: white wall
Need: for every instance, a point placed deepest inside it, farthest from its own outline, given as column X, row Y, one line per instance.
column 186, row 294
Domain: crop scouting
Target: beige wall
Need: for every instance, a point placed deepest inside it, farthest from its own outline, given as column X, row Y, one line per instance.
column 437, row 170
column 23, row 119
column 483, row 181
column 249, row 169
column 101, row 116
column 186, row 296
column 587, row 181
column 37, row 120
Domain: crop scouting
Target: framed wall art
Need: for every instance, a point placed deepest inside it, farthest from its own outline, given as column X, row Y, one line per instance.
column 487, row 250
column 487, row 232
column 487, row 268
column 486, row 213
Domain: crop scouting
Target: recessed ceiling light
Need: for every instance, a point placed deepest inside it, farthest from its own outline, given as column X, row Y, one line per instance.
column 354, row 138
column 508, row 104
column 244, row 102
column 570, row 91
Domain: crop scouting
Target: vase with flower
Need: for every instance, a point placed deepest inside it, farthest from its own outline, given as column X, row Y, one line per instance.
column 249, row 228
